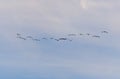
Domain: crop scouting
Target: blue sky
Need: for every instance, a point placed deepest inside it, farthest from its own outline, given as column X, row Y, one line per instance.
column 83, row 58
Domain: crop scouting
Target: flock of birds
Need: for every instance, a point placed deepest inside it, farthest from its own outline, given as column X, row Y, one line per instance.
column 58, row 39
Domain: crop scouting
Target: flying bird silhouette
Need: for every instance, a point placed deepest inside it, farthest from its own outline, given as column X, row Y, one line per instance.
column 96, row 36
column 36, row 40
column 104, row 32
column 51, row 38
column 62, row 38
column 44, row 38
column 88, row 34
column 56, row 39
column 29, row 37
column 81, row 34
column 22, row 38
column 18, row 34
column 71, row 34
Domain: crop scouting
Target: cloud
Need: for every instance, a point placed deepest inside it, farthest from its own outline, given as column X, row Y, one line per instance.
column 57, row 16
column 83, row 4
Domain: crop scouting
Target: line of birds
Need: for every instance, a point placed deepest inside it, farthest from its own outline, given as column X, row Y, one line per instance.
column 58, row 39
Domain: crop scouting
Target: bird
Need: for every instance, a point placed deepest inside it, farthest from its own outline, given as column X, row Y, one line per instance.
column 96, row 36
column 51, row 38
column 56, row 39
column 70, row 40
column 81, row 34
column 36, row 40
column 22, row 38
column 71, row 34
column 88, row 34
column 62, row 38
column 104, row 31
column 44, row 38
column 29, row 37
column 18, row 34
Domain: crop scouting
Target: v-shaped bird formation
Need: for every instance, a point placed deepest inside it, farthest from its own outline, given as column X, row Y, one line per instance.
column 68, row 38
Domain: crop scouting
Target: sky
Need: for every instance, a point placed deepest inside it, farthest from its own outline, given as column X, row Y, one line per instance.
column 85, row 57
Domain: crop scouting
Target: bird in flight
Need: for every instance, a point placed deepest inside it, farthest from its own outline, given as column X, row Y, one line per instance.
column 88, row 34
column 36, row 40
column 56, row 39
column 18, row 34
column 22, row 38
column 71, row 34
column 44, row 38
column 104, row 32
column 81, row 34
column 51, row 38
column 29, row 37
column 65, row 39
column 96, row 36
column 62, row 38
